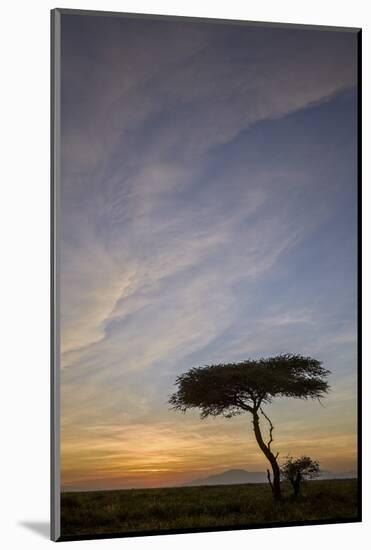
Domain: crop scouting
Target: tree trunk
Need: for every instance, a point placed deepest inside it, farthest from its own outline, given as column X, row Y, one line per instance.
column 275, row 485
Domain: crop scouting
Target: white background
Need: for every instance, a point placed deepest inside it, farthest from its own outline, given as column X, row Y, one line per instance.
column 24, row 255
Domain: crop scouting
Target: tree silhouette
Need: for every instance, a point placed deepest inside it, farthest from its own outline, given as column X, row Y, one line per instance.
column 296, row 471
column 229, row 389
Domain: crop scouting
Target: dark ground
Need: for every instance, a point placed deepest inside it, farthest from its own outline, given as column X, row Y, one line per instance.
column 105, row 512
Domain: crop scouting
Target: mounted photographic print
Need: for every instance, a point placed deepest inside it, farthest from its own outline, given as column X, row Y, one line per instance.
column 205, row 285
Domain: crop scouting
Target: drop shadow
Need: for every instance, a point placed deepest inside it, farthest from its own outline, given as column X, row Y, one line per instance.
column 42, row 528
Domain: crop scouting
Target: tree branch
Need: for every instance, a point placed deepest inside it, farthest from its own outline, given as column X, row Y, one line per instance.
column 271, row 428
column 243, row 405
column 260, row 399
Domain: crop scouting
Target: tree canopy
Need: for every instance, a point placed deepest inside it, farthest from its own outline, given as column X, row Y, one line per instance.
column 229, row 389
column 305, row 467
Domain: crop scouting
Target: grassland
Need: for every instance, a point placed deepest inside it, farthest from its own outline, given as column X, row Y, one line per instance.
column 137, row 510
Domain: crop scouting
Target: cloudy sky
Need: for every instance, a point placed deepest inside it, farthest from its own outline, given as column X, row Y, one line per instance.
column 208, row 214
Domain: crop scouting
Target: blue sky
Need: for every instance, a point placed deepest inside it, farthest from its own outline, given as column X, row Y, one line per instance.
column 208, row 213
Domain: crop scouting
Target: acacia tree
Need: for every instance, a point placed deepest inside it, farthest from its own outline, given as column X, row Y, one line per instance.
column 298, row 470
column 230, row 389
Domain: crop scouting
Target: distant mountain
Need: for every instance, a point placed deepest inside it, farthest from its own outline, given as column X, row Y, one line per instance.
column 233, row 477
column 230, row 477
